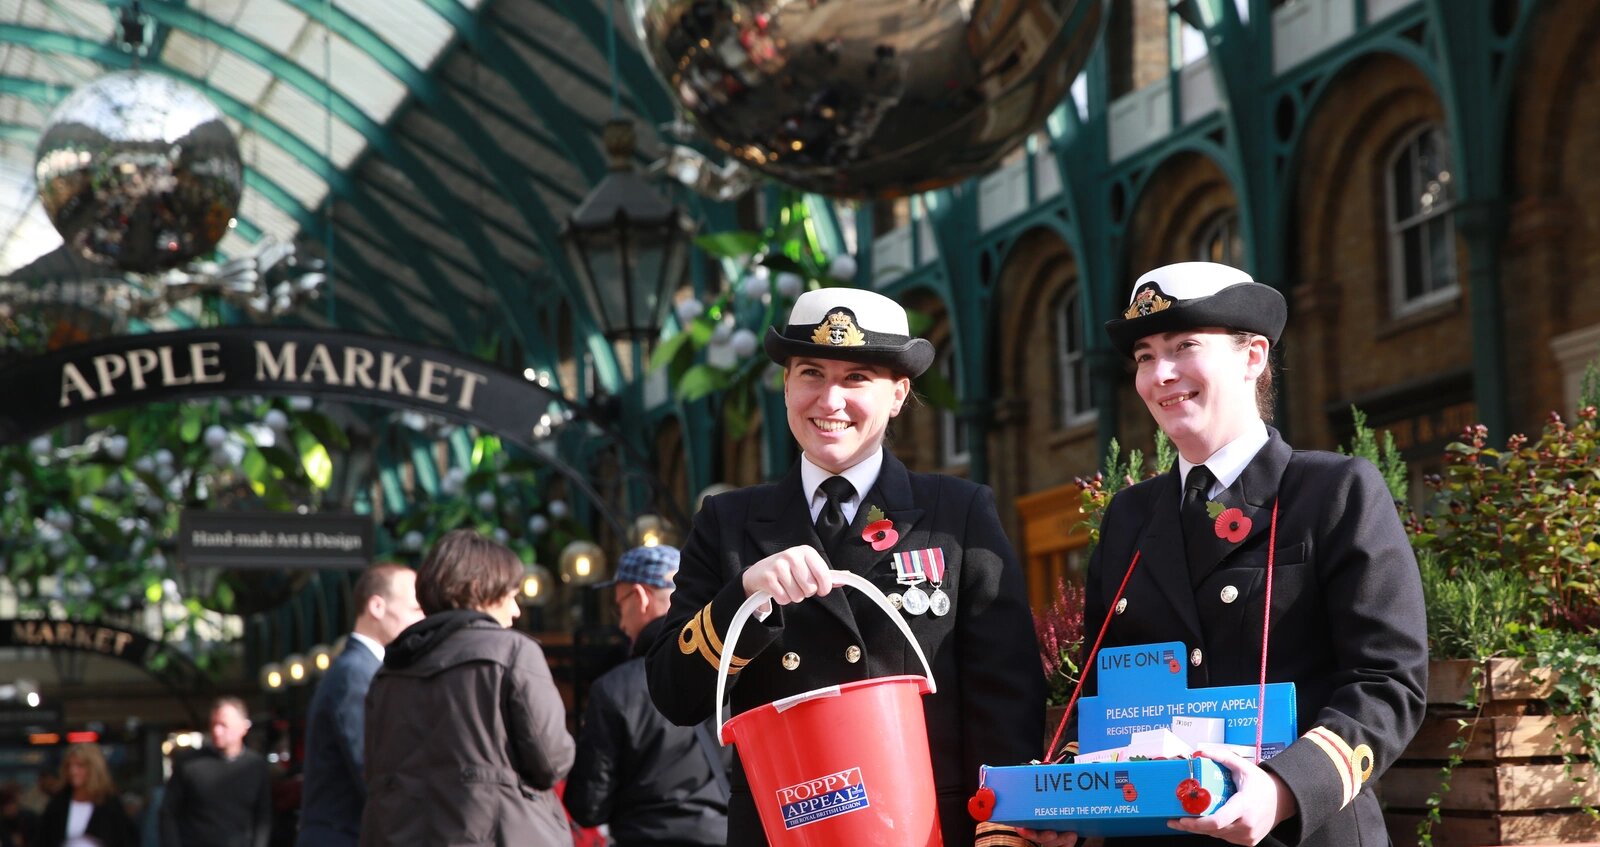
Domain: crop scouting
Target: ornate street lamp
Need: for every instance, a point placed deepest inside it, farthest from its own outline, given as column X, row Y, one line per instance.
column 629, row 246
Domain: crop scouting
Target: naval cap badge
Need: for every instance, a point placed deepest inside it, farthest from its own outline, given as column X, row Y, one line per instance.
column 839, row 329
column 1147, row 301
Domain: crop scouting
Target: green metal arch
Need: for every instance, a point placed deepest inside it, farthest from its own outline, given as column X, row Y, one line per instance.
column 541, row 222
column 1312, row 101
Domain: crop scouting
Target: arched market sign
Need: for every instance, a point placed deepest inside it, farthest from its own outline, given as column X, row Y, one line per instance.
column 85, row 379
column 111, row 373
column 175, row 671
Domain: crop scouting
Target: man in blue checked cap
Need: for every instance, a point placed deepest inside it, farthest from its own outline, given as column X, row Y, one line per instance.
column 652, row 781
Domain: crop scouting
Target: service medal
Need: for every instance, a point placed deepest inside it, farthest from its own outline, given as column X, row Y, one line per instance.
column 914, row 601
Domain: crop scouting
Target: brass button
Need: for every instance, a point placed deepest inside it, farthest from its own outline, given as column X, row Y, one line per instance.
column 1122, row 605
column 792, row 660
column 1194, row 657
column 852, row 654
column 1229, row 594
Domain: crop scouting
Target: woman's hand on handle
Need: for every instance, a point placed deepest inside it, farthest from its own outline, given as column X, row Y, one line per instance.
column 790, row 575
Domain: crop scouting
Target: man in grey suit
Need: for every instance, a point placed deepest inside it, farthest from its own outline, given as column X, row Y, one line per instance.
column 385, row 600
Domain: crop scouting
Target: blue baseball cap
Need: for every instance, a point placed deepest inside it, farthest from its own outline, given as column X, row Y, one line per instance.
column 653, row 566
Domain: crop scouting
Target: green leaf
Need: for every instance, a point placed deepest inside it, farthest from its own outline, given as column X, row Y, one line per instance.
column 730, row 245
column 699, row 381
column 918, row 321
column 189, row 427
column 938, row 391
column 668, row 349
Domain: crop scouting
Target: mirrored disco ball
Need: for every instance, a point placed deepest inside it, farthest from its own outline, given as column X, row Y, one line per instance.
column 859, row 98
column 139, row 171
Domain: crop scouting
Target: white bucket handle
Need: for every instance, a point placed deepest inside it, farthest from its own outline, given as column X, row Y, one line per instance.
column 840, row 579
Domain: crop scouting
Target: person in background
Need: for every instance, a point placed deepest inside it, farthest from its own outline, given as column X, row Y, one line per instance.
column 466, row 732
column 385, row 598
column 1241, row 511
column 17, row 825
column 933, row 541
column 654, row 783
column 220, row 795
column 88, row 812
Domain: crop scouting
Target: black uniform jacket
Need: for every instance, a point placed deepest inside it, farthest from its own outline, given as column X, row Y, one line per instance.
column 989, row 708
column 649, row 779
column 1348, row 626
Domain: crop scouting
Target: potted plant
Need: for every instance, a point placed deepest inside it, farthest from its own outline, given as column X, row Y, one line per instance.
column 1511, row 574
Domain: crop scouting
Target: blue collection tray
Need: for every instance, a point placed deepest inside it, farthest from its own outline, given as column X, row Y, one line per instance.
column 1105, row 798
column 1141, row 687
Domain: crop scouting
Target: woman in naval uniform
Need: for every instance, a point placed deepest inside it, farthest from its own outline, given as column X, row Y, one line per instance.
column 848, row 360
column 1347, row 622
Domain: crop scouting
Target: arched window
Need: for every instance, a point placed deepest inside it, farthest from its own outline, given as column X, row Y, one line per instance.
column 1422, row 232
column 1075, row 405
column 1221, row 241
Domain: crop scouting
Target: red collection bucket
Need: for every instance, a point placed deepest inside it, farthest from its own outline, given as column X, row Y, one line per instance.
column 846, row 764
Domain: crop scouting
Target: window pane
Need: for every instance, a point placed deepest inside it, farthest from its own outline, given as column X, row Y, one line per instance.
column 1414, row 285
column 1441, row 254
column 1405, row 192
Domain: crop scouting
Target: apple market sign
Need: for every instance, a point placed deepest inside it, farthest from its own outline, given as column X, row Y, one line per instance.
column 86, row 379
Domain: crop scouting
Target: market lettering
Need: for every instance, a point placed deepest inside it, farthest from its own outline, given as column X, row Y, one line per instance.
column 197, row 364
column 97, row 639
column 436, row 382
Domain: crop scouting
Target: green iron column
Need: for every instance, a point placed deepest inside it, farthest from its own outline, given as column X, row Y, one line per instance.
column 970, row 298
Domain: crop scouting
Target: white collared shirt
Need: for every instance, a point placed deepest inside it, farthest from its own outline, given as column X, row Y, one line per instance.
column 863, row 475
column 1229, row 462
column 371, row 644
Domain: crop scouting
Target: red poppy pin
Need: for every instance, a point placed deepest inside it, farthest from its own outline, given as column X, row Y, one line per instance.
column 880, row 530
column 1232, row 524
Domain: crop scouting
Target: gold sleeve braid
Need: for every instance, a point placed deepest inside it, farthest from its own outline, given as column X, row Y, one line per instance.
column 699, row 635
column 1353, row 764
column 999, row 835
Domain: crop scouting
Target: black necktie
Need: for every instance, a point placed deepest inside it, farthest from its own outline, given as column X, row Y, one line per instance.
column 831, row 524
column 1197, row 522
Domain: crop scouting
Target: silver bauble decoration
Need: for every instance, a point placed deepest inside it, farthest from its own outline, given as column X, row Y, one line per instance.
column 139, row 171
column 861, row 98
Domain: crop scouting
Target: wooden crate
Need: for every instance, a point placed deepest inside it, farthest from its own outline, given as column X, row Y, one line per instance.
column 1512, row 787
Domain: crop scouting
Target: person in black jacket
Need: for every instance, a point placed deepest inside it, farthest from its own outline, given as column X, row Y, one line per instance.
column 932, row 541
column 1347, row 623
column 220, row 795
column 87, row 810
column 466, row 734
column 654, row 783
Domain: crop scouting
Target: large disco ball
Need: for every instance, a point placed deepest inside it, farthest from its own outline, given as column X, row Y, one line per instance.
column 858, row 98
column 139, row 171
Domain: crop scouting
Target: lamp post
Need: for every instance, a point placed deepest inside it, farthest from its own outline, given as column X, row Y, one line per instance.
column 629, row 247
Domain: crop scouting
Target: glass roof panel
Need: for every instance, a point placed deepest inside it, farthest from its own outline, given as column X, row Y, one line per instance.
column 408, row 26
column 351, row 72
column 91, row 19
column 285, row 170
column 308, row 119
column 241, row 78
column 25, row 233
column 273, row 23
column 272, row 220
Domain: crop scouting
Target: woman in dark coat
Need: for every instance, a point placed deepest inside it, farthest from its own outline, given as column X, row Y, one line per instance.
column 466, row 734
column 87, row 811
column 1347, row 619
